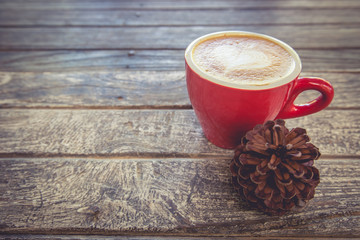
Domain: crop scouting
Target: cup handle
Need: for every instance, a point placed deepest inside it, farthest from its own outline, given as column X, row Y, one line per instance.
column 291, row 110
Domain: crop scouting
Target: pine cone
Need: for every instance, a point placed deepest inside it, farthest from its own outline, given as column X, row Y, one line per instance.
column 273, row 168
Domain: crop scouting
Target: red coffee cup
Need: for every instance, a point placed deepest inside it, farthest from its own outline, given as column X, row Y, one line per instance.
column 226, row 110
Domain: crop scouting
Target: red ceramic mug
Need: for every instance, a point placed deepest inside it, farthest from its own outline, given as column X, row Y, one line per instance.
column 226, row 111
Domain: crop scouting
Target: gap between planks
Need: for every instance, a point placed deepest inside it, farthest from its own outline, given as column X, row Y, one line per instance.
column 96, row 234
column 79, row 234
column 148, row 156
column 181, row 5
column 143, row 107
column 134, row 236
column 172, row 25
column 153, row 49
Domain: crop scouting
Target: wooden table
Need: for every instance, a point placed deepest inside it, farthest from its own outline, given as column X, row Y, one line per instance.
column 98, row 137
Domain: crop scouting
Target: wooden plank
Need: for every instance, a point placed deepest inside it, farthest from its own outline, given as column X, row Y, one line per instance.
column 169, row 4
column 305, row 36
column 345, row 60
column 148, row 133
column 41, row 61
column 132, row 89
column 56, row 18
column 125, row 89
column 186, row 197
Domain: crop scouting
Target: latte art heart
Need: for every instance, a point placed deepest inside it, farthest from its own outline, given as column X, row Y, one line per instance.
column 234, row 58
column 243, row 59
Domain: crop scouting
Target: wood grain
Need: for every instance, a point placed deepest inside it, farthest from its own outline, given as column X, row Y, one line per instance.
column 177, row 17
column 344, row 60
column 131, row 89
column 125, row 89
column 148, row 133
column 170, row 4
column 188, row 197
column 120, row 38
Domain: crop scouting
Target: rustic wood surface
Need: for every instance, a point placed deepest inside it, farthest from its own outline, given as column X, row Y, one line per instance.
column 168, row 37
column 131, row 89
column 148, row 133
column 314, row 60
column 169, row 4
column 176, row 17
column 185, row 196
column 98, row 139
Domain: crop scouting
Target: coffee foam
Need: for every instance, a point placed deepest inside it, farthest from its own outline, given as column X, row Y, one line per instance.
column 243, row 59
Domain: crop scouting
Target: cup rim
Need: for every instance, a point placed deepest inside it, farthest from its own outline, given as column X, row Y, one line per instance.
column 282, row 81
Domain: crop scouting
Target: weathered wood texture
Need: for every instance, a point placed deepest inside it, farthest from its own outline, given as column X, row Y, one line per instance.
column 131, row 89
column 176, row 17
column 97, row 236
column 146, row 237
column 169, row 4
column 344, row 60
column 141, row 237
column 149, row 237
column 168, row 37
column 148, row 133
column 185, row 196
column 125, row 89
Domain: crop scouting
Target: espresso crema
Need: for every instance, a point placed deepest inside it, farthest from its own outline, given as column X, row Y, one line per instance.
column 243, row 59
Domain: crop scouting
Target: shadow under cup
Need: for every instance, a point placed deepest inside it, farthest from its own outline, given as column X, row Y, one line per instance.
column 227, row 110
